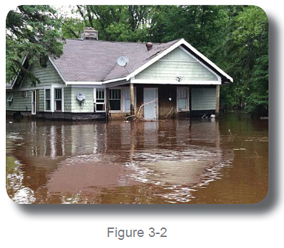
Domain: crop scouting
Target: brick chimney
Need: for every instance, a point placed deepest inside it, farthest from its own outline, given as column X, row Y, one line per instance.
column 149, row 45
column 90, row 34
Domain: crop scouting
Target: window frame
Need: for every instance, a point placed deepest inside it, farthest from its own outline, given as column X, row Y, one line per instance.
column 121, row 100
column 54, row 99
column 10, row 97
column 187, row 99
column 99, row 103
column 24, row 94
column 45, row 99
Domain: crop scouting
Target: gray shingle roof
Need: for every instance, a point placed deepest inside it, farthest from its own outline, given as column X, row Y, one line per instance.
column 95, row 61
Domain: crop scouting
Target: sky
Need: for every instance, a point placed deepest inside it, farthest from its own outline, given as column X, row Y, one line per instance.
column 66, row 10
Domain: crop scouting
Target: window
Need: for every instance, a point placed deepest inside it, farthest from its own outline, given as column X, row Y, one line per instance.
column 10, row 98
column 24, row 94
column 126, row 100
column 47, row 100
column 115, row 99
column 99, row 100
column 182, row 99
column 58, row 99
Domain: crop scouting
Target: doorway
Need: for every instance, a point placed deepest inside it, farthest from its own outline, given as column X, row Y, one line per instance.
column 151, row 103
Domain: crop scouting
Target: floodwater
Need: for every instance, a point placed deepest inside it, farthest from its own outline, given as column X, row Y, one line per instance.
column 173, row 161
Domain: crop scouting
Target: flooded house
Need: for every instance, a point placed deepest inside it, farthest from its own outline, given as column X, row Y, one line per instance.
column 96, row 79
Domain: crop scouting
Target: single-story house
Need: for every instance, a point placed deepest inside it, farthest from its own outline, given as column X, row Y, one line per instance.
column 96, row 79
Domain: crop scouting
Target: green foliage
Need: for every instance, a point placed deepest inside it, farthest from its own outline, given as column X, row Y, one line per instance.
column 114, row 23
column 31, row 30
column 72, row 28
column 247, row 56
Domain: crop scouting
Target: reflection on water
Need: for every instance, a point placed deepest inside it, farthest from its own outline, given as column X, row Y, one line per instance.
column 173, row 161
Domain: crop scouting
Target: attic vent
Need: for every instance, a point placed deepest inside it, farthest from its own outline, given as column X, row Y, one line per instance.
column 149, row 45
column 90, row 34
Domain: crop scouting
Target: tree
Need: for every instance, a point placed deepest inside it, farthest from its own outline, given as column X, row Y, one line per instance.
column 114, row 23
column 246, row 53
column 72, row 28
column 32, row 30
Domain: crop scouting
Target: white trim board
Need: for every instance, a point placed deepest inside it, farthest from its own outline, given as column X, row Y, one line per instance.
column 40, row 87
column 207, row 60
column 174, row 82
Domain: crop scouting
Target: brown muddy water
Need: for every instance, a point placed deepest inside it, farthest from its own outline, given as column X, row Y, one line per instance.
column 174, row 161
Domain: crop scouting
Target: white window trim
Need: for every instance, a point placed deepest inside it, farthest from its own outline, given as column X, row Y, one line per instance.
column 121, row 101
column 24, row 94
column 187, row 97
column 10, row 97
column 62, row 99
column 100, row 103
column 50, row 98
column 33, row 99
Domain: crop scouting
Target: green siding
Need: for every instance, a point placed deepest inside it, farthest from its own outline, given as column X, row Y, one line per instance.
column 87, row 105
column 177, row 63
column 19, row 103
column 41, row 100
column 67, row 99
column 47, row 76
column 203, row 98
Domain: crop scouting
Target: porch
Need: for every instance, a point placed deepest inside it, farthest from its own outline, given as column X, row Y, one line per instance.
column 155, row 101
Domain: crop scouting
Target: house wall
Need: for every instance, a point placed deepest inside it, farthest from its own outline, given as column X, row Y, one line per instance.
column 67, row 99
column 47, row 76
column 19, row 103
column 177, row 63
column 87, row 105
column 203, row 98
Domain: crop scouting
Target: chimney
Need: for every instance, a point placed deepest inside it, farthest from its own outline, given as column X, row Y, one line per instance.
column 149, row 45
column 90, row 34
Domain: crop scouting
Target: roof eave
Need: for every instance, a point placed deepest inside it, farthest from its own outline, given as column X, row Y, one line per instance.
column 57, row 70
column 95, row 82
column 194, row 50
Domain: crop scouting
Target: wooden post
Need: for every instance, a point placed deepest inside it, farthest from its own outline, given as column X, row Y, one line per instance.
column 107, row 103
column 131, row 99
column 217, row 108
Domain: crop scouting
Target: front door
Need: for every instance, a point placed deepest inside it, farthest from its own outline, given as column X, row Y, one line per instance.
column 33, row 106
column 150, row 103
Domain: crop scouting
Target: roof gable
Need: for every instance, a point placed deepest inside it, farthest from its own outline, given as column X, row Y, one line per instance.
column 193, row 51
column 178, row 63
